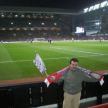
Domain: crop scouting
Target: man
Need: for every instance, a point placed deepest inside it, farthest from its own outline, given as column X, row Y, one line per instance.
column 73, row 78
column 49, row 40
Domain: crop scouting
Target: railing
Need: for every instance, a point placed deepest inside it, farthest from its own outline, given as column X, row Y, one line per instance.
column 37, row 94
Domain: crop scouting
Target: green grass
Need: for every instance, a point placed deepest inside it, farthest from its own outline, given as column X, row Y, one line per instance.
column 16, row 59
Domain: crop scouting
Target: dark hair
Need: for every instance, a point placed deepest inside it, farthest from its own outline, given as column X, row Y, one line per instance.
column 73, row 59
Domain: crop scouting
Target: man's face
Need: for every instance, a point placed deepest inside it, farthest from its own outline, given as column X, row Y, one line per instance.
column 73, row 65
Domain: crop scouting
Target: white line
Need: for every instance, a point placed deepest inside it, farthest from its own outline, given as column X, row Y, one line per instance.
column 14, row 61
column 80, row 51
column 56, row 58
column 93, row 55
column 53, row 58
column 90, row 52
column 30, row 60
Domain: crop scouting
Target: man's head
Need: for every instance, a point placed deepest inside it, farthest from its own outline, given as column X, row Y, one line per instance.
column 73, row 63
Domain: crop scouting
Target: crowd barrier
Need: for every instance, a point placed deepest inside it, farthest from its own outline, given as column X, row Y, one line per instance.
column 100, row 106
column 37, row 94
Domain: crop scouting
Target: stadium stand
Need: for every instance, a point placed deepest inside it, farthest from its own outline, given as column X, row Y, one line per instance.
column 29, row 24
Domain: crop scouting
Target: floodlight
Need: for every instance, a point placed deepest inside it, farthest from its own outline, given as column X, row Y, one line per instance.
column 86, row 10
column 22, row 16
column 12, row 23
column 10, row 29
column 52, row 16
column 91, row 8
column 55, row 23
column 96, row 6
column 42, row 23
column 32, row 29
column 24, row 28
column 2, row 15
column 29, row 23
column 103, row 4
column 3, row 28
column 17, row 29
column 97, row 23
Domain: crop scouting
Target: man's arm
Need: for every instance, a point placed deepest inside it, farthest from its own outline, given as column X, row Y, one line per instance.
column 54, row 77
column 92, row 76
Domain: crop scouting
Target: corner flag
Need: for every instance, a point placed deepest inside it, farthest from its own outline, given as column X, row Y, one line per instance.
column 39, row 64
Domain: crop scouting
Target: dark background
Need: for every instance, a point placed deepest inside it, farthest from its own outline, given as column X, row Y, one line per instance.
column 75, row 5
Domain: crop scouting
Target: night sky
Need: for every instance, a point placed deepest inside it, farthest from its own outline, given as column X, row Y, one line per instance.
column 62, row 4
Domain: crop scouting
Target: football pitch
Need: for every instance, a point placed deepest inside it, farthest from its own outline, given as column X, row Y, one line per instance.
column 16, row 59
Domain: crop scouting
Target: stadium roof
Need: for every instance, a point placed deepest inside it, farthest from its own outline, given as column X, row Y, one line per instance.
column 74, row 5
